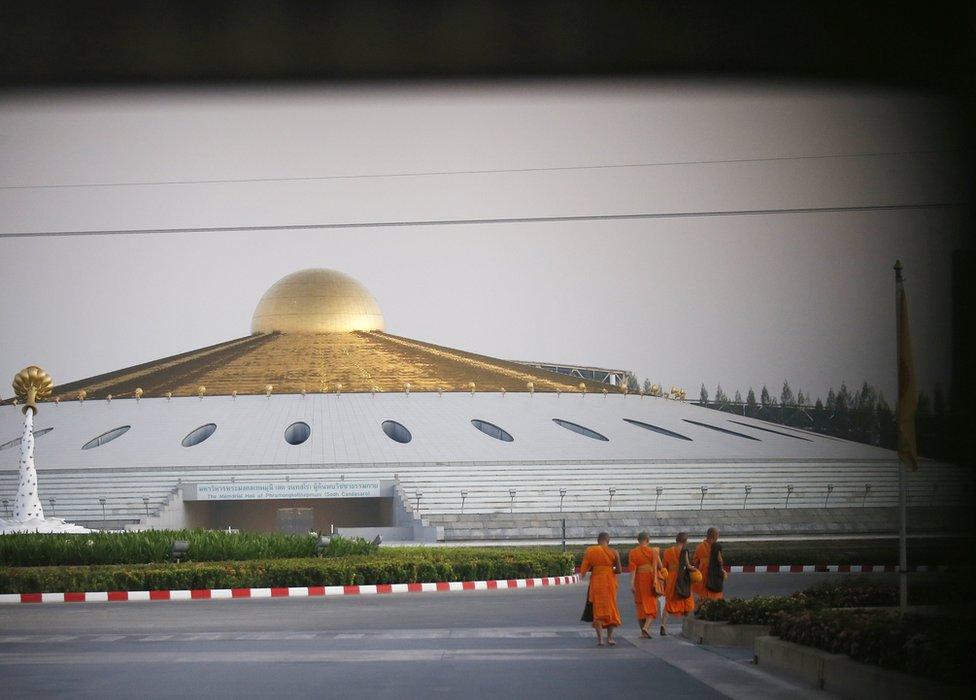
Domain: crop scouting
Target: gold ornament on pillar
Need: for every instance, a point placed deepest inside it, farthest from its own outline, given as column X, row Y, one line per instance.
column 30, row 384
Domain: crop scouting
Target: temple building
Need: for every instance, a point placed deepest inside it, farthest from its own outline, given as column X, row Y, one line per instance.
column 320, row 419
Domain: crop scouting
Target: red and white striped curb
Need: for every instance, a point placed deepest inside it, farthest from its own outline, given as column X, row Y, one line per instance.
column 290, row 592
column 824, row 568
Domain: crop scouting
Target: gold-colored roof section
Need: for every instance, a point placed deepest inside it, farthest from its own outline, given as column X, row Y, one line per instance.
column 359, row 361
column 317, row 301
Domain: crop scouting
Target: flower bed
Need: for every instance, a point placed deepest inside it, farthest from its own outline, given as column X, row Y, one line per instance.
column 407, row 565
column 937, row 648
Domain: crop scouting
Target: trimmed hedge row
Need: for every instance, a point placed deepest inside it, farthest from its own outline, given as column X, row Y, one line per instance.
column 154, row 546
column 389, row 566
column 849, row 592
column 937, row 648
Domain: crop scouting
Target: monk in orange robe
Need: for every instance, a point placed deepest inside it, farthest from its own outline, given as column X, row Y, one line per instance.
column 644, row 564
column 677, row 561
column 700, row 560
column 603, row 565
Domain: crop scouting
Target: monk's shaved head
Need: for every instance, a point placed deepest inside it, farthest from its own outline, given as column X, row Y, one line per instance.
column 712, row 533
column 681, row 538
column 644, row 536
column 603, row 538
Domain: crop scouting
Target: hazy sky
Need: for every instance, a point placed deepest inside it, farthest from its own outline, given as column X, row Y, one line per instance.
column 737, row 299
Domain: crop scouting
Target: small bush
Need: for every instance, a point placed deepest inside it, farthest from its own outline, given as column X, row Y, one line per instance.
column 407, row 565
column 936, row 648
column 762, row 610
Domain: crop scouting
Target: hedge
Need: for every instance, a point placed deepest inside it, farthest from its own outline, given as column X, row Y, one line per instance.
column 154, row 546
column 391, row 566
column 849, row 592
column 937, row 648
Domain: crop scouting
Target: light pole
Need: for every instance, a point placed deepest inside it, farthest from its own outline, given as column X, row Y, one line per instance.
column 464, row 494
column 417, row 495
column 6, row 506
column 145, row 502
column 658, row 491
column 748, row 490
column 52, row 501
column 102, row 501
column 701, row 503
column 511, row 503
column 867, row 490
column 562, row 495
column 789, row 492
column 612, row 491
column 830, row 489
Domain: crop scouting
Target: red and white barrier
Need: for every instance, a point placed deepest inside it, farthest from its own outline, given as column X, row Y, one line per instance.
column 824, row 568
column 291, row 592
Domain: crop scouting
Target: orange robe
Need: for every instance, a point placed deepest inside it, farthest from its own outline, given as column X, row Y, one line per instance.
column 673, row 604
column 703, row 553
column 599, row 561
column 643, row 563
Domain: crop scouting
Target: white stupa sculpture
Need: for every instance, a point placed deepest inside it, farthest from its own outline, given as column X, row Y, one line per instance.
column 32, row 384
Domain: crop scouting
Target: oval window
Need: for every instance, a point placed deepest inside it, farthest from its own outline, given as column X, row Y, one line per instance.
column 396, row 431
column 195, row 437
column 106, row 437
column 721, row 430
column 297, row 433
column 492, row 430
column 657, row 429
column 16, row 441
column 580, row 429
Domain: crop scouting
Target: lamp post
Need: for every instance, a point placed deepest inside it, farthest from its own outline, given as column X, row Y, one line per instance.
column 6, row 506
column 658, row 491
column 701, row 503
column 789, row 492
column 611, row 491
column 830, row 490
column 562, row 495
column 145, row 502
column 417, row 495
column 52, row 501
column 511, row 503
column 102, row 500
column 867, row 490
column 748, row 490
column 464, row 494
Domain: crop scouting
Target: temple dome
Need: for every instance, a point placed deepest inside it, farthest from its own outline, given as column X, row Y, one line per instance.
column 317, row 301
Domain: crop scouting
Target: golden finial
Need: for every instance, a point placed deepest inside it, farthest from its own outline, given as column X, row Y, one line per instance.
column 604, row 391
column 303, row 392
column 57, row 400
column 440, row 391
column 642, row 393
column 32, row 383
column 582, row 387
column 233, row 394
column 531, row 388
column 169, row 395
column 558, row 392
column 406, row 388
column 471, row 386
column 82, row 394
column 503, row 392
column 268, row 389
column 201, row 390
column 338, row 388
column 108, row 399
column 138, row 393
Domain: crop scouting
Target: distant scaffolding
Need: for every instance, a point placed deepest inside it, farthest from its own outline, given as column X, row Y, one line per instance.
column 613, row 377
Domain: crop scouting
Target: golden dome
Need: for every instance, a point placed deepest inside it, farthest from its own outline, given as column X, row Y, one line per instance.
column 317, row 301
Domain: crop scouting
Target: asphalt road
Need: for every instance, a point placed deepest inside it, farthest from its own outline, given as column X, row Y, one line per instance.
column 511, row 643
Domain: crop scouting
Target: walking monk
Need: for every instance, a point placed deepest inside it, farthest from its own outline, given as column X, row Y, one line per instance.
column 677, row 592
column 603, row 564
column 700, row 560
column 644, row 563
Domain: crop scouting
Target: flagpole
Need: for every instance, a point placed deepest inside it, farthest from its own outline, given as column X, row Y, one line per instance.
column 902, row 480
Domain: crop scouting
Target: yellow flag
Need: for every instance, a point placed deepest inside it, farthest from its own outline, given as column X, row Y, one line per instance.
column 907, row 394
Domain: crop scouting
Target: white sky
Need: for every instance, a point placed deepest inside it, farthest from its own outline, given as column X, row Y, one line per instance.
column 741, row 300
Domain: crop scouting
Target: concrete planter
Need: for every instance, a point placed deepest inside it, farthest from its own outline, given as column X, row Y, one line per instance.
column 841, row 675
column 722, row 633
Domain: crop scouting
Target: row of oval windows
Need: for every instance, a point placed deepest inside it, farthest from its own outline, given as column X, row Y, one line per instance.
column 299, row 432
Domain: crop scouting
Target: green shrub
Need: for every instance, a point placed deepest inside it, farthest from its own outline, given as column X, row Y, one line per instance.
column 761, row 610
column 405, row 565
column 936, row 648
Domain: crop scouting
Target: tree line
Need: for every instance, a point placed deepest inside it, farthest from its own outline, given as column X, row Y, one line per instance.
column 863, row 415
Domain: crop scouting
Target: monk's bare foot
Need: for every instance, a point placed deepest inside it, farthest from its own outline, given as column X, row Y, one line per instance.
column 600, row 643
column 645, row 634
column 664, row 632
column 611, row 643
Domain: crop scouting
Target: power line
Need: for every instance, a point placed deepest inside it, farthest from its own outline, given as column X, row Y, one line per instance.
column 470, row 222
column 367, row 176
